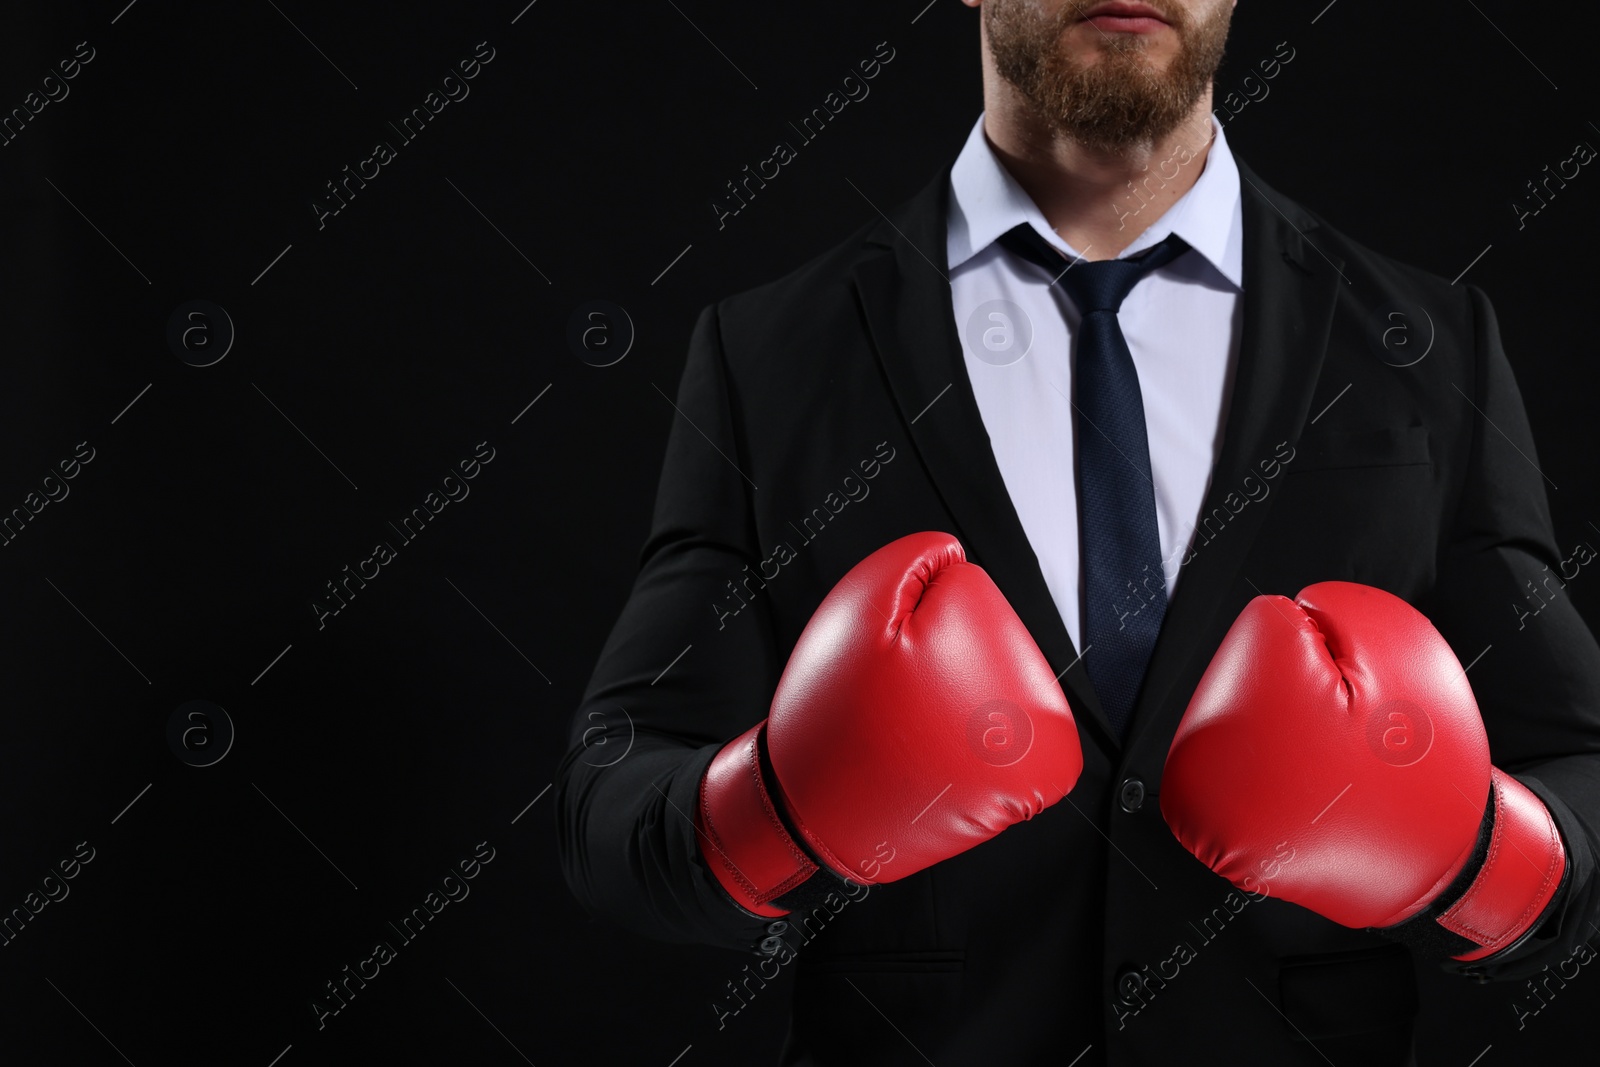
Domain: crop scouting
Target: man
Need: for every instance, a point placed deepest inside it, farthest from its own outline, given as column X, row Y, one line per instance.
column 1242, row 416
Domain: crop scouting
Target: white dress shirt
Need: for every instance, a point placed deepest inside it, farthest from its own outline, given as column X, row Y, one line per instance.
column 1182, row 323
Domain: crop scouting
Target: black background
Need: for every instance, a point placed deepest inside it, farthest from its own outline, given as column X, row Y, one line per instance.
column 429, row 714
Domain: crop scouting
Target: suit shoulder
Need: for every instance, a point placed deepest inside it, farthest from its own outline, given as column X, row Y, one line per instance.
column 1372, row 276
column 799, row 301
column 1379, row 277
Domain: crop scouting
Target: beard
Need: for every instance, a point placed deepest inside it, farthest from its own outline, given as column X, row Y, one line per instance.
column 1119, row 101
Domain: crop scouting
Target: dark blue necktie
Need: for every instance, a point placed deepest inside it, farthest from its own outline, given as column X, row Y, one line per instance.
column 1125, row 588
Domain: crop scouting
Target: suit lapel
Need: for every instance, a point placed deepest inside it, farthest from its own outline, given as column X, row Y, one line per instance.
column 1289, row 287
column 1289, row 292
column 905, row 294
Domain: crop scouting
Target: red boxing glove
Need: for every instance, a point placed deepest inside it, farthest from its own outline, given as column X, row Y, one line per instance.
column 1333, row 756
column 915, row 719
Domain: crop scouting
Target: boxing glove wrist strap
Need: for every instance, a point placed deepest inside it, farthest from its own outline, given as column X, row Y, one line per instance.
column 1503, row 892
column 1519, row 877
column 741, row 833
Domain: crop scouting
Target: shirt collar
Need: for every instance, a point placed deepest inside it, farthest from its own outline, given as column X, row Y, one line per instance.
column 986, row 201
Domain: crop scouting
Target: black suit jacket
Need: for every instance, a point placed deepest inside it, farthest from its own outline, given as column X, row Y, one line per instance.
column 828, row 413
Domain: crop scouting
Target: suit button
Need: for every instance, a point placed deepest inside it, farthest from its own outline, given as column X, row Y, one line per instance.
column 1132, row 794
column 1130, row 984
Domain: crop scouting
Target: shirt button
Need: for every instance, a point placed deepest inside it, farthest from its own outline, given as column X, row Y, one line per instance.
column 1132, row 795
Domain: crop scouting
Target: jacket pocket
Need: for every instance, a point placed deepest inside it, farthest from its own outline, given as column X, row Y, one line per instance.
column 1376, row 446
column 922, row 962
column 879, row 1008
column 1342, row 994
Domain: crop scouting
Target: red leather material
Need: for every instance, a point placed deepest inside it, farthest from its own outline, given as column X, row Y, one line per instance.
column 1333, row 756
column 915, row 719
column 741, row 836
column 1519, row 877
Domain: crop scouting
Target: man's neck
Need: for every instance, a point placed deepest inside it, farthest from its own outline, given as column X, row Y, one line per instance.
column 1098, row 202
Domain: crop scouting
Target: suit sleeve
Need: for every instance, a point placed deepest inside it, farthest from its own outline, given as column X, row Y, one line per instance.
column 679, row 675
column 1501, row 601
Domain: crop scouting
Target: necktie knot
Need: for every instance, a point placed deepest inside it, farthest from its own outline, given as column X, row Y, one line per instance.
column 1093, row 286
